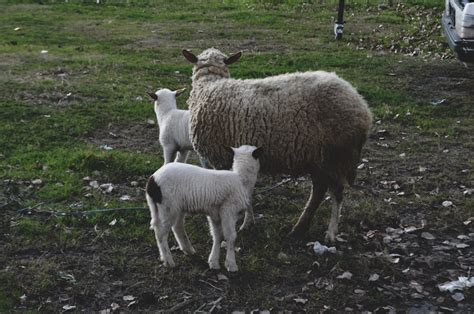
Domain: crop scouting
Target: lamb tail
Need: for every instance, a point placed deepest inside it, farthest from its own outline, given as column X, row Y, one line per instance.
column 153, row 196
column 153, row 190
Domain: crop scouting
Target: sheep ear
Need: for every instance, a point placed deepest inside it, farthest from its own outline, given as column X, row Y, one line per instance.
column 257, row 153
column 179, row 91
column 233, row 58
column 152, row 95
column 189, row 56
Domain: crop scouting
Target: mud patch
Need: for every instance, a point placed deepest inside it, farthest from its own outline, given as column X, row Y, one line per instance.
column 434, row 81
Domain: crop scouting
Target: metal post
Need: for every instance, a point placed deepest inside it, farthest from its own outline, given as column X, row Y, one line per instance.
column 339, row 25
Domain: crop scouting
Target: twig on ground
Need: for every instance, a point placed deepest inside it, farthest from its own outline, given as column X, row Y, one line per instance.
column 210, row 284
column 214, row 304
column 182, row 305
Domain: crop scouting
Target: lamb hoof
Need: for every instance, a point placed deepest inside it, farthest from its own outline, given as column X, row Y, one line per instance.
column 232, row 268
column 169, row 264
column 214, row 265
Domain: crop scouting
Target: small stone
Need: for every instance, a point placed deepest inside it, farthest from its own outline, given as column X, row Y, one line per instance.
column 345, row 275
column 94, row 184
column 37, row 182
column 125, row 198
column 427, row 236
column 282, row 256
column 374, row 277
column 458, row 296
column 114, row 306
column 447, row 203
column 416, row 295
column 107, row 187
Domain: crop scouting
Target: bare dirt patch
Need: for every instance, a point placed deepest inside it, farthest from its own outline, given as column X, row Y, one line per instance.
column 435, row 81
column 140, row 137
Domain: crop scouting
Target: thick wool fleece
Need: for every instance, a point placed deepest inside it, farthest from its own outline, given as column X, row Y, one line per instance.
column 311, row 122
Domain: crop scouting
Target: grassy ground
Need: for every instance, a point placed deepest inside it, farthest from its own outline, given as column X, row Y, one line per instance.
column 73, row 78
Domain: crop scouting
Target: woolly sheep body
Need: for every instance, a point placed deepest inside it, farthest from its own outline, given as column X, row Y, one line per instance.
column 305, row 127
column 311, row 122
column 177, row 189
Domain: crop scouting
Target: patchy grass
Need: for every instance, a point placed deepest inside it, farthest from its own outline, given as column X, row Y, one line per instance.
column 59, row 108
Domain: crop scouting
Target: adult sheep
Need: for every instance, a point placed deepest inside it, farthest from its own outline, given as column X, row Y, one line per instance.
column 310, row 123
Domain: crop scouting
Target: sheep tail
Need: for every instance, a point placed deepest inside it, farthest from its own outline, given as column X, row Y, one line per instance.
column 248, row 218
column 153, row 197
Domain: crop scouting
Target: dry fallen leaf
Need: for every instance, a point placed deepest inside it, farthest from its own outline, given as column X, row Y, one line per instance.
column 128, row 298
column 125, row 198
column 300, row 300
column 68, row 307
column 427, row 236
column 415, row 285
column 447, row 203
column 345, row 275
column 114, row 306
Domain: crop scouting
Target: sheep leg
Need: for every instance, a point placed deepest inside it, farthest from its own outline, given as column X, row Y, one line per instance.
column 248, row 218
column 337, row 195
column 181, row 236
column 182, row 156
column 317, row 196
column 169, row 153
column 229, row 220
column 216, row 232
column 161, row 235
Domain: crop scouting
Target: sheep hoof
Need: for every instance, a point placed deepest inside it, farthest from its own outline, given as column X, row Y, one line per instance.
column 214, row 265
column 297, row 233
column 189, row 251
column 330, row 237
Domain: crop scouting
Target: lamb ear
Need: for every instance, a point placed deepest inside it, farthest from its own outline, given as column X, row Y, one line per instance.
column 233, row 58
column 228, row 149
column 189, row 56
column 257, row 153
column 152, row 95
column 179, row 91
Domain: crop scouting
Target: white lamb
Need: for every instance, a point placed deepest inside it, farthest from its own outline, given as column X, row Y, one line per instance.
column 177, row 188
column 173, row 124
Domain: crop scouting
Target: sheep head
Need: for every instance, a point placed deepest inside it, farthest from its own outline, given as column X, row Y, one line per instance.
column 211, row 55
